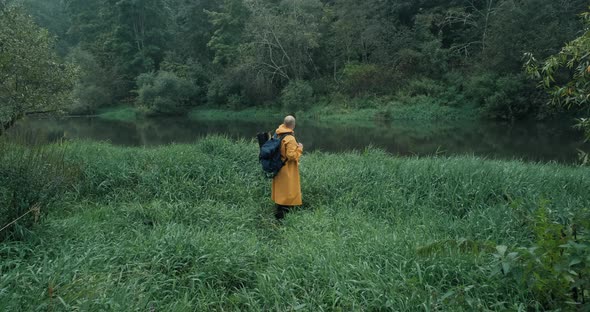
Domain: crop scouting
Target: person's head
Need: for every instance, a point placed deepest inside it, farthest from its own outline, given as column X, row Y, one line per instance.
column 290, row 122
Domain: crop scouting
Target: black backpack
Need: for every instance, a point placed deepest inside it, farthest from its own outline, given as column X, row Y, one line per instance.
column 270, row 153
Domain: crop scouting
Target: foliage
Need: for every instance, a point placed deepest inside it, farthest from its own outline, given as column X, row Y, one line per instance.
column 297, row 96
column 584, row 124
column 281, row 38
column 229, row 24
column 92, row 90
column 174, row 228
column 557, row 266
column 566, row 75
column 127, row 37
column 503, row 97
column 51, row 15
column 32, row 77
column 164, row 93
column 243, row 53
column 363, row 79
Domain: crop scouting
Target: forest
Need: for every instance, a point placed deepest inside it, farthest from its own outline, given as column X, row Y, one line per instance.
column 167, row 57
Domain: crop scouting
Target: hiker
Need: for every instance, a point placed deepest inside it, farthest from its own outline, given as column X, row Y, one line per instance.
column 286, row 187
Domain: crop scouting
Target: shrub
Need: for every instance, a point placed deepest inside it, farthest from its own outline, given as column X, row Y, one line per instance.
column 557, row 266
column 297, row 96
column 240, row 84
column 190, row 70
column 502, row 97
column 165, row 93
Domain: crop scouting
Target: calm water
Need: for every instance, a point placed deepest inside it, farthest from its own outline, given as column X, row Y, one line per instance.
column 555, row 141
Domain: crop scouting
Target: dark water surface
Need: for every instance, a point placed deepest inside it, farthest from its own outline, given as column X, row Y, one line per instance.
column 554, row 141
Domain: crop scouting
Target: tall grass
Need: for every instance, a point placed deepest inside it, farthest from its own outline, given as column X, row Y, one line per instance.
column 190, row 228
column 31, row 175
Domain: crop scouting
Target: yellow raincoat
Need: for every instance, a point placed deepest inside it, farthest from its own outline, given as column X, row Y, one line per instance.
column 286, row 186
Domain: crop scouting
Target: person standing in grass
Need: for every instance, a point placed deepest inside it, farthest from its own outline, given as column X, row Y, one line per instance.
column 286, row 186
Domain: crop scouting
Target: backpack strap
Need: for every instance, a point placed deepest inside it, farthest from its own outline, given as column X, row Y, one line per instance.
column 282, row 137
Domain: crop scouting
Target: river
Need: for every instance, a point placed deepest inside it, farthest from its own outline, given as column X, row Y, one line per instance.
column 530, row 141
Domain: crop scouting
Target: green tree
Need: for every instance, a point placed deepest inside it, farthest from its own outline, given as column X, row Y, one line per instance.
column 537, row 26
column 127, row 37
column 282, row 38
column 229, row 24
column 32, row 78
column 92, row 89
column 566, row 75
column 51, row 15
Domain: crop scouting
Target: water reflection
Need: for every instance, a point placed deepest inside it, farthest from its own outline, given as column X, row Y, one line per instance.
column 555, row 141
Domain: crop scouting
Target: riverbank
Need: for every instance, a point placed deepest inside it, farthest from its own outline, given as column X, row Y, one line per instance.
column 119, row 113
column 353, row 112
column 190, row 227
column 418, row 108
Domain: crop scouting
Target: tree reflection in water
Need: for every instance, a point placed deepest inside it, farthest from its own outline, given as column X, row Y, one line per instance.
column 551, row 141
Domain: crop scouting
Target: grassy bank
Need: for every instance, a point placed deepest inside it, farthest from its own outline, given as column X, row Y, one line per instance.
column 329, row 110
column 245, row 114
column 190, row 228
column 119, row 113
column 388, row 111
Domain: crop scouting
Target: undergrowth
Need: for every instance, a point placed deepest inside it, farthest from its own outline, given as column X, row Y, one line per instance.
column 190, row 227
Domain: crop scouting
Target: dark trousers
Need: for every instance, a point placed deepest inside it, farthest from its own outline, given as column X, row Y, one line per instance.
column 281, row 211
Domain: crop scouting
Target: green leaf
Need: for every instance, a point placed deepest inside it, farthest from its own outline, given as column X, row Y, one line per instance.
column 501, row 249
column 447, row 295
column 575, row 261
column 506, row 267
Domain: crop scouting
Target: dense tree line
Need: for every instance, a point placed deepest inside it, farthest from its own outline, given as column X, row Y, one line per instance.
column 168, row 56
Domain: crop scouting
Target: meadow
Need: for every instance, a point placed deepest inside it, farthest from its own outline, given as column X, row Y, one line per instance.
column 191, row 228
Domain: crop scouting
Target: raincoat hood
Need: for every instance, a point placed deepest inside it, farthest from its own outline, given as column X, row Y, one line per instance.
column 283, row 129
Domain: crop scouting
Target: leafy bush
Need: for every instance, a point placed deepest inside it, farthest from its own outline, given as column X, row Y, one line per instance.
column 556, row 268
column 165, row 93
column 297, row 96
column 506, row 97
column 190, row 70
column 243, row 85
